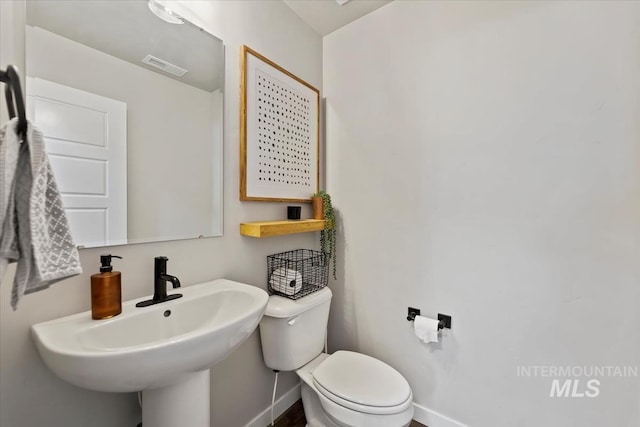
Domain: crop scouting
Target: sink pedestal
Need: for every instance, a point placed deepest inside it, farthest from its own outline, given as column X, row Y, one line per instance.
column 185, row 403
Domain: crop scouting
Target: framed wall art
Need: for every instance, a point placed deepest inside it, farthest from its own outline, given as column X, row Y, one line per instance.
column 279, row 132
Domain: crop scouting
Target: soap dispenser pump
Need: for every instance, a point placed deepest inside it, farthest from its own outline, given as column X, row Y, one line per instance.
column 106, row 294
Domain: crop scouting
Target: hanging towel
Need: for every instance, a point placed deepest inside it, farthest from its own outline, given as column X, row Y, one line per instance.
column 35, row 231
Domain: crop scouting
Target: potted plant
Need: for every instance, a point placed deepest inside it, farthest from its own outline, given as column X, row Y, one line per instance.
column 317, row 203
column 323, row 209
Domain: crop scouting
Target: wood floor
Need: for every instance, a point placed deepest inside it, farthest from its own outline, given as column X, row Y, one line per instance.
column 294, row 417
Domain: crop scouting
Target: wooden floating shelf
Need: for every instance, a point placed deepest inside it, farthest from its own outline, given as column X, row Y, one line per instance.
column 279, row 228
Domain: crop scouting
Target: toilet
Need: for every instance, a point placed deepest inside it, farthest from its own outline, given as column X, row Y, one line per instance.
column 343, row 389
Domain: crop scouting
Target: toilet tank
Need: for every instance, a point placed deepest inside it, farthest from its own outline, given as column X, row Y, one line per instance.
column 292, row 331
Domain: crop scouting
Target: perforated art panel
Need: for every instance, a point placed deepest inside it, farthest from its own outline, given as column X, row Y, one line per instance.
column 284, row 138
column 281, row 134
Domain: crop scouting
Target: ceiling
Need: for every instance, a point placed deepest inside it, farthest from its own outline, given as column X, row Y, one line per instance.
column 326, row 16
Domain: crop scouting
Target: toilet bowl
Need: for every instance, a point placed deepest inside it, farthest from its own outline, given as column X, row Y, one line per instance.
column 344, row 389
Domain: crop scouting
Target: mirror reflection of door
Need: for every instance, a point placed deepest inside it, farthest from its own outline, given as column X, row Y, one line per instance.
column 86, row 141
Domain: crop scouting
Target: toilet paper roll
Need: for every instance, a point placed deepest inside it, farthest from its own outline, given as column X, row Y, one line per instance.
column 286, row 281
column 426, row 329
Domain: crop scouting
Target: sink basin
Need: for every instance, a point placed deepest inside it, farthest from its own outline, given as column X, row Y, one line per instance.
column 152, row 347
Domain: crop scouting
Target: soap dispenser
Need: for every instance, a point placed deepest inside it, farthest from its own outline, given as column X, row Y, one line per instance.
column 106, row 296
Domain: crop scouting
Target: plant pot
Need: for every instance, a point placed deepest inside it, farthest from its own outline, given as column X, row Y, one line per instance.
column 318, row 207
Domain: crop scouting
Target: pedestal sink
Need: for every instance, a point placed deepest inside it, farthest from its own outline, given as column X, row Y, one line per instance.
column 164, row 350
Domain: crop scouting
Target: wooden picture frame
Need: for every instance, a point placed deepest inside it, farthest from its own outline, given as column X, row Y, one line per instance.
column 279, row 132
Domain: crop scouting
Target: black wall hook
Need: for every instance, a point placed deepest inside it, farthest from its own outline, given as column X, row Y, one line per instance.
column 14, row 91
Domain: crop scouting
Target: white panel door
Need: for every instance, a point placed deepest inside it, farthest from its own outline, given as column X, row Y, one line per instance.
column 86, row 141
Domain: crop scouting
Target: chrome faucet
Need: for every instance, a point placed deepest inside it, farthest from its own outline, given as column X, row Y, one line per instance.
column 160, row 283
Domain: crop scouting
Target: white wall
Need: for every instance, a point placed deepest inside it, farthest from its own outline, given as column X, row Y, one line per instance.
column 484, row 158
column 241, row 386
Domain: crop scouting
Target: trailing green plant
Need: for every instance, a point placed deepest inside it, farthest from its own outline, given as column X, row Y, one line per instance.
column 328, row 235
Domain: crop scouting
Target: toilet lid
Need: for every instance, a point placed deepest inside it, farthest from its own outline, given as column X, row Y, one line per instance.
column 361, row 379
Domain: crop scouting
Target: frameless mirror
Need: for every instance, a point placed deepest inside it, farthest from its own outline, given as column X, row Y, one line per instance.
column 131, row 110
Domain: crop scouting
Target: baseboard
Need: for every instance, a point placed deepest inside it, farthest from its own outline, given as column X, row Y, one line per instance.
column 432, row 418
column 263, row 419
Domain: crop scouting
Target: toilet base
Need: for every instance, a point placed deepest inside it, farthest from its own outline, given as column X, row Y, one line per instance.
column 316, row 417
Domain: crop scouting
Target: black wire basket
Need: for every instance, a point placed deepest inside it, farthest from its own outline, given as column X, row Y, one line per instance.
column 297, row 273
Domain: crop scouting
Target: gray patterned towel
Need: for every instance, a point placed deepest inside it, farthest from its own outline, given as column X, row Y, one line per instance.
column 35, row 232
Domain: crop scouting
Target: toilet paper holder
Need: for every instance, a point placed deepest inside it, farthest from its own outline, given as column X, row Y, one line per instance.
column 444, row 320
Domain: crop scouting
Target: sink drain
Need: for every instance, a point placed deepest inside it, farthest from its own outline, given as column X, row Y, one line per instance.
column 167, row 313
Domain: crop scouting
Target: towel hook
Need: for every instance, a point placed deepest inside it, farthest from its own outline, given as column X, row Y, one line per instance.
column 14, row 90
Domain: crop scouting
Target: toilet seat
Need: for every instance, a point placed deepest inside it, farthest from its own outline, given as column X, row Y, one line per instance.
column 362, row 383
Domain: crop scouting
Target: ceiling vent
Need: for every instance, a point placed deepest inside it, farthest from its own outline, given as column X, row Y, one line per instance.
column 163, row 65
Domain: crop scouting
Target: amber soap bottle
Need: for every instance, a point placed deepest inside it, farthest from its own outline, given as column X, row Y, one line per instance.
column 106, row 295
